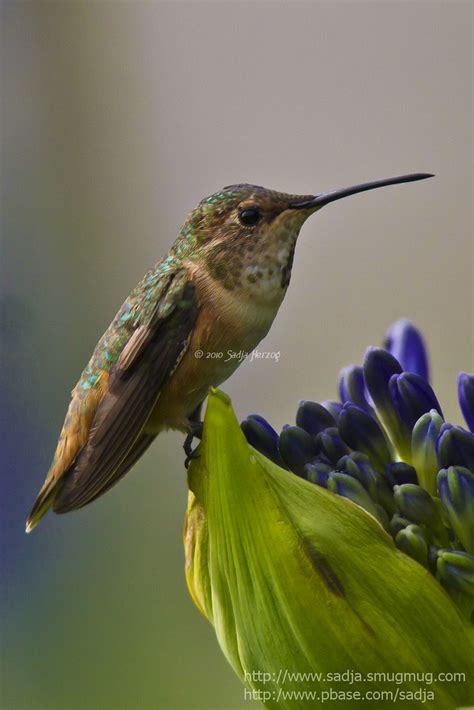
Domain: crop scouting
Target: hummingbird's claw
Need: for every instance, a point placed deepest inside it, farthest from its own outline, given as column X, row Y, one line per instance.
column 190, row 457
column 195, row 432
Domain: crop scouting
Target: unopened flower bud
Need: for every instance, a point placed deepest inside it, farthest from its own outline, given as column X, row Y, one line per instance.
column 261, row 435
column 423, row 446
column 297, row 448
column 362, row 433
column 313, row 417
column 466, row 397
column 352, row 387
column 407, row 345
column 456, row 490
column 412, row 541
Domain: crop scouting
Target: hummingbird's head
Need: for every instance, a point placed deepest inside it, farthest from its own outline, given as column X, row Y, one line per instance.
column 246, row 234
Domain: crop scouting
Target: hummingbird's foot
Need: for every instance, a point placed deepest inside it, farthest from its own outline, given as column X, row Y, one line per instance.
column 195, row 432
column 195, row 426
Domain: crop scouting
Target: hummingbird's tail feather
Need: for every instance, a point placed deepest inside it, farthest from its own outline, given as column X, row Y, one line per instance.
column 51, row 495
column 63, row 503
column 43, row 502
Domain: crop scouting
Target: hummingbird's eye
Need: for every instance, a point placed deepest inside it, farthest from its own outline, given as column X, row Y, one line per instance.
column 249, row 216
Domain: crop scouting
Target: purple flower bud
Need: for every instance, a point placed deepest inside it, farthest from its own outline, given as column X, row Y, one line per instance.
column 423, row 447
column 456, row 490
column 455, row 447
column 466, row 397
column 335, row 408
column 330, row 444
column 313, row 417
column 407, row 345
column 317, row 473
column 379, row 367
column 362, row 433
column 412, row 397
column 358, row 465
column 262, row 436
column 352, row 387
column 297, row 448
column 456, row 570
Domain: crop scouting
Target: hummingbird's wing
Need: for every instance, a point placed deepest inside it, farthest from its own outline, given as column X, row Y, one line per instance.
column 101, row 438
column 138, row 448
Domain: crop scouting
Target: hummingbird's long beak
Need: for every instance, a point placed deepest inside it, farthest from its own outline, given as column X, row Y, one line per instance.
column 325, row 197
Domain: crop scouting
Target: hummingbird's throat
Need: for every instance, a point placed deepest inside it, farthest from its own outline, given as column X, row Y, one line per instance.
column 268, row 273
column 258, row 266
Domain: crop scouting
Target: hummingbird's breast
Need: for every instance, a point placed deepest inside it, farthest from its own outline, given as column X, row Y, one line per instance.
column 229, row 324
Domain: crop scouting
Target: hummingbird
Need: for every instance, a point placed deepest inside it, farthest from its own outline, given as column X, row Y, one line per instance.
column 218, row 289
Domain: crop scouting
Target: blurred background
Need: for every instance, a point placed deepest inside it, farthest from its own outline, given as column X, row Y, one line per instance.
column 116, row 119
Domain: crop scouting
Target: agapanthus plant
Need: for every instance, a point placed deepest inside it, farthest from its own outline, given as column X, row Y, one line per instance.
column 346, row 543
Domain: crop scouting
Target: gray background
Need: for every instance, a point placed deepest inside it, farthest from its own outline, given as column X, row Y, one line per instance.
column 116, row 119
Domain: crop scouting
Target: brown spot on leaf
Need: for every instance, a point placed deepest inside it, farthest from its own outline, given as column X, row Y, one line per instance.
column 324, row 569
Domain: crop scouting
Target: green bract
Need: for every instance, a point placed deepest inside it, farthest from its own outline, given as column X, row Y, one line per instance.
column 297, row 580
